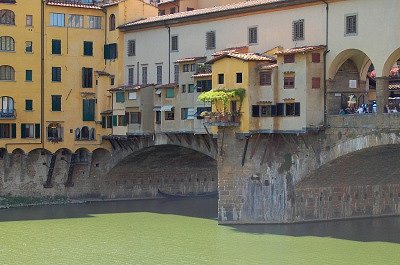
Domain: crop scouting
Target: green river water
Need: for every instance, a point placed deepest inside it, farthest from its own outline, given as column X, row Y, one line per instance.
column 184, row 232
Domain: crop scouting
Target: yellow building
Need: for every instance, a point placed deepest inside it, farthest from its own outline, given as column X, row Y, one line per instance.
column 58, row 61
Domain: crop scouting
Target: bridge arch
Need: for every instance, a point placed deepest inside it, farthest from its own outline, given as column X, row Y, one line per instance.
column 390, row 62
column 361, row 60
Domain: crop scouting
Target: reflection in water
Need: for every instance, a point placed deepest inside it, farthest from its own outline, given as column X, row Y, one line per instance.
column 184, row 232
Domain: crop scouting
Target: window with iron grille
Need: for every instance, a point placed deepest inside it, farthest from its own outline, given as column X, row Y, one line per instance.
column 253, row 35
column 174, row 43
column 7, row 17
column 159, row 74
column 292, row 109
column 265, row 78
column 351, row 24
column 7, row 44
column 131, row 47
column 239, row 78
column 210, row 40
column 298, row 30
column 144, row 75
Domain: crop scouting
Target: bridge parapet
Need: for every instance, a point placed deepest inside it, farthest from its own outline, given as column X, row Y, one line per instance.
column 365, row 121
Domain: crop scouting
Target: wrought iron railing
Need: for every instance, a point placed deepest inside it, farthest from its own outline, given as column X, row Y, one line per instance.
column 7, row 113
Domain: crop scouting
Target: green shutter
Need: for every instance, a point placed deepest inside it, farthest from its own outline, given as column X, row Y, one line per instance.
column 123, row 121
column 56, row 47
column 56, row 103
column 115, row 120
column 28, row 104
column 13, row 130
column 120, row 97
column 88, row 109
column 106, row 51
column 88, row 48
column 170, row 93
column 37, row 131
column 103, row 122
column 23, row 135
column 28, row 75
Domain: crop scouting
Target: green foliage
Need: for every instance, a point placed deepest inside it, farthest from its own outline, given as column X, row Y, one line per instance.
column 223, row 96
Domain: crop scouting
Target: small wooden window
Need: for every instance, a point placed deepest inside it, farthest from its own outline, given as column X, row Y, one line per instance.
column 265, row 78
column 288, row 82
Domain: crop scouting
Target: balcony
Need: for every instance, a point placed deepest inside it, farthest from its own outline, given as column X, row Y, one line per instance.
column 221, row 119
column 7, row 114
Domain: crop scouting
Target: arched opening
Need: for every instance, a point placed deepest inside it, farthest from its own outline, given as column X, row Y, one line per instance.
column 77, row 134
column 7, row 73
column 85, row 133
column 391, row 70
column 7, row 107
column 7, row 17
column 82, row 156
column 7, row 44
column 112, row 22
column 166, row 168
column 54, row 132
column 351, row 88
column 92, row 134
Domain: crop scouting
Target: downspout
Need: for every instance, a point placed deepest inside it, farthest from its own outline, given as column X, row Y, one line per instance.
column 42, row 74
column 105, row 32
column 325, row 64
column 169, row 54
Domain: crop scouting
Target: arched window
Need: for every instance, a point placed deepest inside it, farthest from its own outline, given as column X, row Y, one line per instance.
column 77, row 134
column 7, row 17
column 7, row 44
column 7, row 106
column 85, row 133
column 112, row 22
column 7, row 73
column 54, row 132
column 92, row 135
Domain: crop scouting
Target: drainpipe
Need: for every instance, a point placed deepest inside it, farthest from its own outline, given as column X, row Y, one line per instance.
column 42, row 74
column 169, row 54
column 325, row 64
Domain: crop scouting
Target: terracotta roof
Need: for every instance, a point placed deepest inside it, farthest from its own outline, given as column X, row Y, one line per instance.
column 303, row 49
column 129, row 87
column 109, row 111
column 73, row 4
column 190, row 59
column 268, row 67
column 102, row 73
column 245, row 57
column 167, row 2
column 202, row 75
column 167, row 85
column 217, row 12
column 241, row 49
column 113, row 3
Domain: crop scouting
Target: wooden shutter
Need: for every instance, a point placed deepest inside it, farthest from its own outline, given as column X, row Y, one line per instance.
column 23, row 132
column 88, row 109
column 13, row 130
column 107, row 51
column 127, row 117
column 37, row 131
column 88, row 48
column 103, row 122
column 280, row 109
column 115, row 120
column 56, row 103
column 273, row 110
column 56, row 47
column 255, row 111
column 297, row 109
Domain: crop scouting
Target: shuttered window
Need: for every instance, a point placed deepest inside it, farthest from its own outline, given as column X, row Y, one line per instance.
column 120, row 97
column 144, row 75
column 351, row 24
column 7, row 73
column 56, row 46
column 131, row 47
column 8, row 130
column 56, row 103
column 27, row 130
column 174, row 43
column 28, row 75
column 159, row 74
column 170, row 93
column 253, row 38
column 56, row 74
column 135, row 117
column 265, row 78
column 110, row 51
column 131, row 75
column 210, row 40
column 289, row 58
column 288, row 82
column 176, row 73
column 298, row 30
column 28, row 104
column 87, row 77
column 88, row 48
column 88, row 109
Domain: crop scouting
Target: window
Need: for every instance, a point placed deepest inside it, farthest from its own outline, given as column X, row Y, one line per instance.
column 158, row 117
column 159, row 74
column 288, row 82
column 56, row 103
column 54, row 132
column 94, row 22
column 87, row 77
column 184, row 113
column 264, row 110
column 88, row 48
column 193, row 67
column 289, row 58
column 239, row 78
column 292, row 109
column 88, row 109
column 176, row 73
column 112, row 22
column 253, row 35
column 191, row 88
column 280, row 109
column 315, row 57
column 170, row 115
column 351, row 24
column 210, row 40
column 144, row 75
column 7, row 17
column 28, row 46
column 7, row 73
column 75, row 21
column 174, row 43
column 204, row 85
column 220, row 78
column 135, row 117
column 8, row 130
column 106, row 122
column 56, row 74
column 110, row 51
column 316, row 82
column 28, row 130
column 132, row 95
column 120, row 97
column 28, row 75
column 55, row 46
column 7, row 44
column 131, row 47
column 183, row 88
column 28, row 104
column 121, row 120
column 186, row 68
column 298, row 30
column 170, row 93
column 172, row 10
column 189, row 9
column 112, row 80
column 7, row 107
column 265, row 78
column 131, row 75
column 57, row 19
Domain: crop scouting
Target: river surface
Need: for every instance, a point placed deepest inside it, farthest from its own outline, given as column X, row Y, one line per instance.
column 184, row 232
